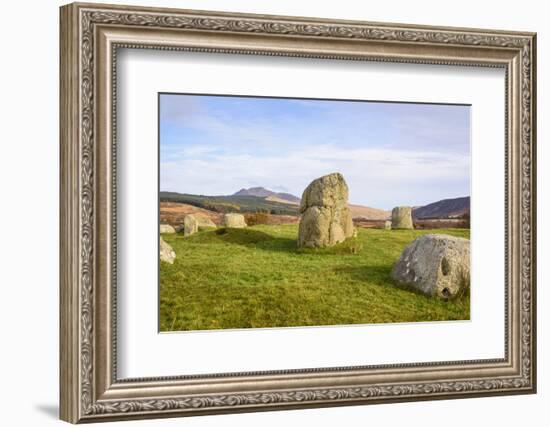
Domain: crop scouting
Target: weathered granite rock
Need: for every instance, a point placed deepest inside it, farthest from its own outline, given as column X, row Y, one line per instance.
column 387, row 225
column 401, row 217
column 435, row 264
column 166, row 229
column 190, row 225
column 204, row 221
column 167, row 254
column 234, row 220
column 326, row 218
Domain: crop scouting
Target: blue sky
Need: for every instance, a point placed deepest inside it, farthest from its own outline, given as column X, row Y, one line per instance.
column 389, row 153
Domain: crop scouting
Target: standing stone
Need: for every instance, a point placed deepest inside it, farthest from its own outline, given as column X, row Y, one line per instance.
column 166, row 229
column 326, row 218
column 401, row 217
column 435, row 264
column 234, row 220
column 387, row 225
column 204, row 221
column 167, row 254
column 190, row 225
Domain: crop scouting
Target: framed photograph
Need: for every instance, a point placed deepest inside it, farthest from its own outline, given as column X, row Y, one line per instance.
column 266, row 212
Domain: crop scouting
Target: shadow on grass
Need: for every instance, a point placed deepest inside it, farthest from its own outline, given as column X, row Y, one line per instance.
column 379, row 274
column 267, row 242
column 351, row 246
column 246, row 237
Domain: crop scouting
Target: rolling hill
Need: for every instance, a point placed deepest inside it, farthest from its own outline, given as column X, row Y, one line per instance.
column 174, row 213
column 359, row 211
column 447, row 208
column 260, row 199
column 278, row 199
column 234, row 203
column 269, row 195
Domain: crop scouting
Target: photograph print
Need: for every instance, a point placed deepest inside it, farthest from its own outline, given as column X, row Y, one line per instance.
column 291, row 212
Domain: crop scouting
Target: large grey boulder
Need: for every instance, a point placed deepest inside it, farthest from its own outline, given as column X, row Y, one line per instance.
column 436, row 265
column 401, row 217
column 326, row 218
column 234, row 220
column 166, row 229
column 190, row 225
column 167, row 254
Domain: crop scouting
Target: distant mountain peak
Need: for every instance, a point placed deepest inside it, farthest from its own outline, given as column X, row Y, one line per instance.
column 254, row 191
column 446, row 208
column 264, row 192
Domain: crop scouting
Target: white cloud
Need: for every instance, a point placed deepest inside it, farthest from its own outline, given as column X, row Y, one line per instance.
column 390, row 154
column 377, row 177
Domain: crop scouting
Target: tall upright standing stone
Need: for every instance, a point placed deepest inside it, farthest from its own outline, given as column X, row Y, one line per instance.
column 401, row 217
column 190, row 225
column 326, row 218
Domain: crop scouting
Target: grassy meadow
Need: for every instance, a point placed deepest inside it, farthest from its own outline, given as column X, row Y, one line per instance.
column 257, row 277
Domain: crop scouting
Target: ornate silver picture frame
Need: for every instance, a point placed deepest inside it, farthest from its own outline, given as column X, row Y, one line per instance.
column 91, row 34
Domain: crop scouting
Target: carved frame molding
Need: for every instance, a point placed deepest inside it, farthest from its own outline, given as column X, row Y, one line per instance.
column 90, row 36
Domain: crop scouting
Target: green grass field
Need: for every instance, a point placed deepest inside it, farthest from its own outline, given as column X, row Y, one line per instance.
column 257, row 277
